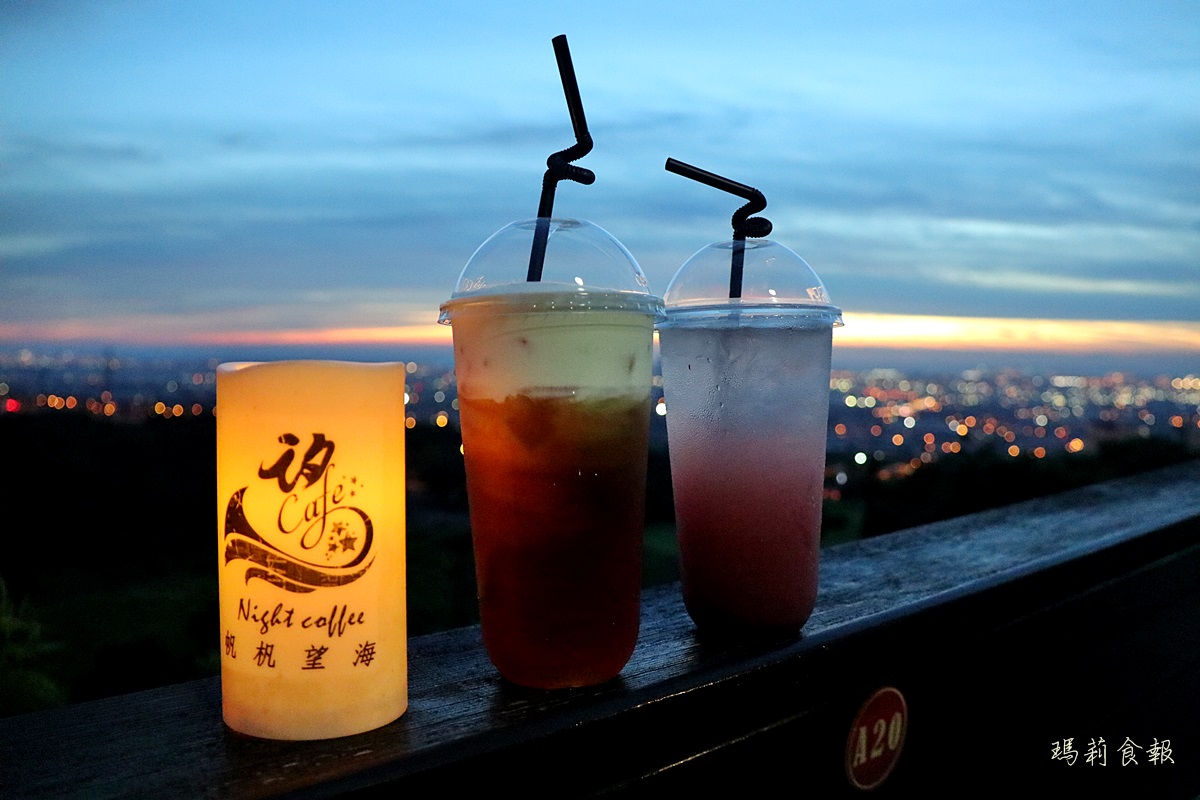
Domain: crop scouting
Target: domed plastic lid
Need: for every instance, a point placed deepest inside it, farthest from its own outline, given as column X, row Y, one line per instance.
column 776, row 283
column 585, row 268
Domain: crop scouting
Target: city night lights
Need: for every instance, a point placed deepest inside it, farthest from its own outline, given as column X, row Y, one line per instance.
column 900, row 420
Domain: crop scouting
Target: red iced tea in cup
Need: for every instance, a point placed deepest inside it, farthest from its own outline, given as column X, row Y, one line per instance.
column 553, row 384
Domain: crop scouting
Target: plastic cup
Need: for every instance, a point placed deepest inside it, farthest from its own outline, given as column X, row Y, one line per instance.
column 553, row 381
column 746, row 383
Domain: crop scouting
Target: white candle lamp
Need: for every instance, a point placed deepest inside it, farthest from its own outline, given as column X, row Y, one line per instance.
column 311, row 547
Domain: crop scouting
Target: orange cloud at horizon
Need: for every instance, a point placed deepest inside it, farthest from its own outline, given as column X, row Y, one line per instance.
column 1017, row 335
column 862, row 330
column 428, row 334
column 132, row 333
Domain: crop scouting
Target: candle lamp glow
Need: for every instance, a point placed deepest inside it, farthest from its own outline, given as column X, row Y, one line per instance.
column 311, row 547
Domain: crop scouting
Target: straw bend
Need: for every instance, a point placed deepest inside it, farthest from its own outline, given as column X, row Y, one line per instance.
column 559, row 168
column 744, row 225
column 558, row 165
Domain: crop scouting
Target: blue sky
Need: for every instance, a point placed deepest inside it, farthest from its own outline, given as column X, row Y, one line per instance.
column 182, row 170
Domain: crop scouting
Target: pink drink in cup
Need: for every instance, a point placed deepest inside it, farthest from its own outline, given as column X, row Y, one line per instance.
column 746, row 351
column 747, row 404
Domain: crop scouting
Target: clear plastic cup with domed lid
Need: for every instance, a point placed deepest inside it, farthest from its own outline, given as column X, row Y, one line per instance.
column 553, row 381
column 553, row 330
column 746, row 347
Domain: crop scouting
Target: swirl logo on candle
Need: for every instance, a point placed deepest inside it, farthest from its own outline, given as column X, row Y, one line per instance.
column 316, row 539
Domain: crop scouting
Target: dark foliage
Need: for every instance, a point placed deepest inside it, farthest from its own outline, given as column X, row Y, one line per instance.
column 114, row 499
column 966, row 484
column 110, row 523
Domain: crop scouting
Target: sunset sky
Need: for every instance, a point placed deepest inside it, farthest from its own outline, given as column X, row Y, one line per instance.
column 1015, row 176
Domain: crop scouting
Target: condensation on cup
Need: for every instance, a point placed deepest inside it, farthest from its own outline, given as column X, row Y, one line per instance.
column 746, row 384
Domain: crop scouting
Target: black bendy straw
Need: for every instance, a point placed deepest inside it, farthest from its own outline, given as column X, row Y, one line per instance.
column 558, row 165
column 743, row 224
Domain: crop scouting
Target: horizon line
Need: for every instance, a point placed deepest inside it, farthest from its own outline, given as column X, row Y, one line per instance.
column 936, row 333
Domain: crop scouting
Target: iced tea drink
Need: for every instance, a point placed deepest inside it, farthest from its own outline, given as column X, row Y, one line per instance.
column 554, row 402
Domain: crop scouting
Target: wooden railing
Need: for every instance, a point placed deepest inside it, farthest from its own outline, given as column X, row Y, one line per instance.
column 1018, row 639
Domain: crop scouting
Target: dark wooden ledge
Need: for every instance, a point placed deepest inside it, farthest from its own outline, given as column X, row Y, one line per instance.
column 1008, row 632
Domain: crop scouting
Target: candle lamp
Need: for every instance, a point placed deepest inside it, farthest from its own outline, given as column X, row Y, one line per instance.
column 311, row 547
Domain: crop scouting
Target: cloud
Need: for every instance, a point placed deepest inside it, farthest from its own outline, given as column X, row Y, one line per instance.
column 1040, row 283
column 251, row 315
column 976, row 162
column 24, row 245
